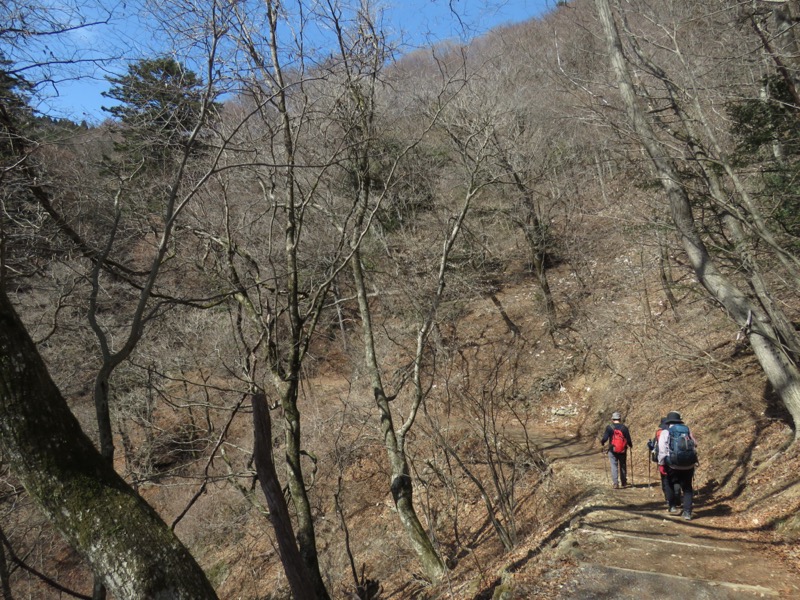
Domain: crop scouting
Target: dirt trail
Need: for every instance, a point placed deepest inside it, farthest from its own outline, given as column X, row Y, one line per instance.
column 627, row 545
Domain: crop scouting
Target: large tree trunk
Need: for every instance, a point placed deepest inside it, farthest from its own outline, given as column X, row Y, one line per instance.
column 119, row 534
column 305, row 535
column 5, row 575
column 780, row 370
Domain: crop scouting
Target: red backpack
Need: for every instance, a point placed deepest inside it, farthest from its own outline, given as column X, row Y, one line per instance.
column 618, row 442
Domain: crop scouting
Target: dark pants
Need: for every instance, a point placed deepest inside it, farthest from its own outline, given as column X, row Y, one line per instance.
column 619, row 466
column 679, row 481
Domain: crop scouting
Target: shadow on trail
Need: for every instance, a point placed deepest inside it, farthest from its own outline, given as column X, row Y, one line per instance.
column 558, row 447
column 744, row 467
column 655, row 511
column 638, row 486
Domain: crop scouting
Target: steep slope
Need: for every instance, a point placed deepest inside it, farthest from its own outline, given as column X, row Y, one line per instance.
column 594, row 542
column 624, row 544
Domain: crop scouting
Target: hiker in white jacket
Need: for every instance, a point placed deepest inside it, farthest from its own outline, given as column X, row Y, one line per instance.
column 679, row 472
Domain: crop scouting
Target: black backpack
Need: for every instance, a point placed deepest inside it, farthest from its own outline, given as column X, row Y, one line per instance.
column 652, row 445
column 682, row 451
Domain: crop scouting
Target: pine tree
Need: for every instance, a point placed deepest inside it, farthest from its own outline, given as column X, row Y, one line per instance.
column 160, row 104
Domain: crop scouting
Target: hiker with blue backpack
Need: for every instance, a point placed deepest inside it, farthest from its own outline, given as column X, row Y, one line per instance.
column 619, row 440
column 677, row 458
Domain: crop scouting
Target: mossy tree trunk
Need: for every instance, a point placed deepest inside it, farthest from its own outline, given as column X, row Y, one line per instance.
column 119, row 534
column 5, row 575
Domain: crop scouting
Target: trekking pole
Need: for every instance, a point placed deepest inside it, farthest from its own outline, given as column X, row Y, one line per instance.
column 695, row 483
column 631, row 455
column 605, row 461
column 649, row 478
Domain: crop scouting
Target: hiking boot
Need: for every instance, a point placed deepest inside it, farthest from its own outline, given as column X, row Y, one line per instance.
column 673, row 510
column 615, row 486
column 687, row 516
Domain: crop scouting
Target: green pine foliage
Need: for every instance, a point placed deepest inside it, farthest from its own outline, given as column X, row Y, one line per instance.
column 13, row 106
column 760, row 123
column 160, row 104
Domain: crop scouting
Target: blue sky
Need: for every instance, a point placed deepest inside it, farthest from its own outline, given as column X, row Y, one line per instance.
column 420, row 21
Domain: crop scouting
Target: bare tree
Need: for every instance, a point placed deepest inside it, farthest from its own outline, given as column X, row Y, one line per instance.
column 107, row 231
column 174, row 202
column 281, row 240
column 757, row 315
column 5, row 574
column 445, row 112
column 360, row 71
column 478, row 427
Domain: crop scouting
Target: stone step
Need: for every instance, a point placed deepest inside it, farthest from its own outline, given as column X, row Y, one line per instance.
column 602, row 581
column 656, row 540
column 677, row 554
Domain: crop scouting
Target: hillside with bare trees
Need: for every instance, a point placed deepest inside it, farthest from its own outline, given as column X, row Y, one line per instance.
column 318, row 318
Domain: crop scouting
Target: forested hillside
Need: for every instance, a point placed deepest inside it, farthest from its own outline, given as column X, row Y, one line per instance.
column 293, row 320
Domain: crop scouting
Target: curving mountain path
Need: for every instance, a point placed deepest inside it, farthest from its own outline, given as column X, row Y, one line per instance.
column 627, row 546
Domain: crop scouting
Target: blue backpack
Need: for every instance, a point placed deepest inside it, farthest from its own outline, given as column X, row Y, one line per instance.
column 682, row 451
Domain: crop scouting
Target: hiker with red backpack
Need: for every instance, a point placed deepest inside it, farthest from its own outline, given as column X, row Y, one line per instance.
column 677, row 458
column 619, row 440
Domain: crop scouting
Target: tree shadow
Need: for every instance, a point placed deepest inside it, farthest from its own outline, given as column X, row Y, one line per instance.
column 737, row 476
column 556, row 445
column 775, row 408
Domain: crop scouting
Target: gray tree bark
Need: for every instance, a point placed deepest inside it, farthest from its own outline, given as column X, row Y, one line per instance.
column 120, row 535
column 285, row 370
column 402, row 486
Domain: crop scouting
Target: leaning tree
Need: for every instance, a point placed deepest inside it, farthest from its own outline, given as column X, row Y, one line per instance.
column 671, row 116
